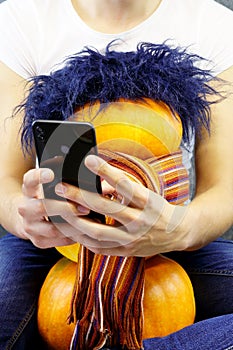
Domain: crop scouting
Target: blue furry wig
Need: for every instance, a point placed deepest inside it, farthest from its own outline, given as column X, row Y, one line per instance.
column 158, row 72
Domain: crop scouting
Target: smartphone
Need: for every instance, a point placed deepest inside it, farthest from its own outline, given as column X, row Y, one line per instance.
column 63, row 146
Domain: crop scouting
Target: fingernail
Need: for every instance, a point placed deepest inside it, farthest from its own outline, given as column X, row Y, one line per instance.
column 92, row 161
column 46, row 175
column 60, row 189
column 83, row 210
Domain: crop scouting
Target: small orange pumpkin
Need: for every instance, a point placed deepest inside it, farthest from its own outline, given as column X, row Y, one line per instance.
column 69, row 251
column 54, row 305
column 168, row 301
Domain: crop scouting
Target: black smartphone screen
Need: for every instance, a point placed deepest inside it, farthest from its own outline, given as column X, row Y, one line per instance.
column 62, row 146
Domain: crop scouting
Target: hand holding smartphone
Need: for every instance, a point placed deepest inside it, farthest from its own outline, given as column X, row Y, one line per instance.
column 62, row 146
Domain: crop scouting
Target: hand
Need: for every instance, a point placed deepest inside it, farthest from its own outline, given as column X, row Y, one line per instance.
column 34, row 211
column 146, row 223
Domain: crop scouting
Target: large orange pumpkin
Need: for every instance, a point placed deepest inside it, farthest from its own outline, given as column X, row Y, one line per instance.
column 168, row 301
column 143, row 128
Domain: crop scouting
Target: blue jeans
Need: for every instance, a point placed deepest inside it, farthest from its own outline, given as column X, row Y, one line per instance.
column 23, row 268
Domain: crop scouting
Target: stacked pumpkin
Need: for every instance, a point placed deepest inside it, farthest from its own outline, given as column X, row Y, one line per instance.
column 147, row 129
column 168, row 301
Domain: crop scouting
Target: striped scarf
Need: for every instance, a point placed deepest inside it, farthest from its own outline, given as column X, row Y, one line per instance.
column 107, row 302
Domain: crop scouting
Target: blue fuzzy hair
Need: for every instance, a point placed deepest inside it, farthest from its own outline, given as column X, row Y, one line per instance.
column 158, row 72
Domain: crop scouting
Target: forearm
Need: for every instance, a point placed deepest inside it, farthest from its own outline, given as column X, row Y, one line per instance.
column 211, row 211
column 210, row 214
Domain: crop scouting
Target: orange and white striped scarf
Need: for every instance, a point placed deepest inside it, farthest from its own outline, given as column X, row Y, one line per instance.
column 107, row 303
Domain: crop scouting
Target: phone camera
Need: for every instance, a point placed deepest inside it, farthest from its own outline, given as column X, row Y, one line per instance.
column 40, row 133
column 65, row 149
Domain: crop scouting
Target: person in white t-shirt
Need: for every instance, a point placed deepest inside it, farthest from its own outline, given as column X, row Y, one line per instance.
column 35, row 37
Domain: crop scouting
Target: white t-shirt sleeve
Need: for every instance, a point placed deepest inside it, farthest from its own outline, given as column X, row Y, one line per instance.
column 20, row 36
column 215, row 34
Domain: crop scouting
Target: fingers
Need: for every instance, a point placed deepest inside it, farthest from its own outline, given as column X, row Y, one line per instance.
column 96, row 202
column 98, row 233
column 99, row 239
column 41, row 232
column 79, row 234
column 33, row 179
column 34, row 210
column 45, row 235
column 129, row 216
column 106, row 188
column 132, row 192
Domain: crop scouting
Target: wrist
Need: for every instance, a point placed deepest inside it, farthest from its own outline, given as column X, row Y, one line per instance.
column 187, row 227
column 13, row 222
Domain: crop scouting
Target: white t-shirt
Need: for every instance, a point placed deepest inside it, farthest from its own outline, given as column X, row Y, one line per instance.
column 36, row 35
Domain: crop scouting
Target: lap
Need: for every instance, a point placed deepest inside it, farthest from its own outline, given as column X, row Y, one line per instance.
column 23, row 268
column 211, row 272
column 211, row 334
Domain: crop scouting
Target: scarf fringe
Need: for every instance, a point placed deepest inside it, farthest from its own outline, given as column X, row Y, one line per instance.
column 112, row 300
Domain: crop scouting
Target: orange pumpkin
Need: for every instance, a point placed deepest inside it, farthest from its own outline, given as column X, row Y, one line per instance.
column 54, row 305
column 143, row 128
column 70, row 251
column 168, row 301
